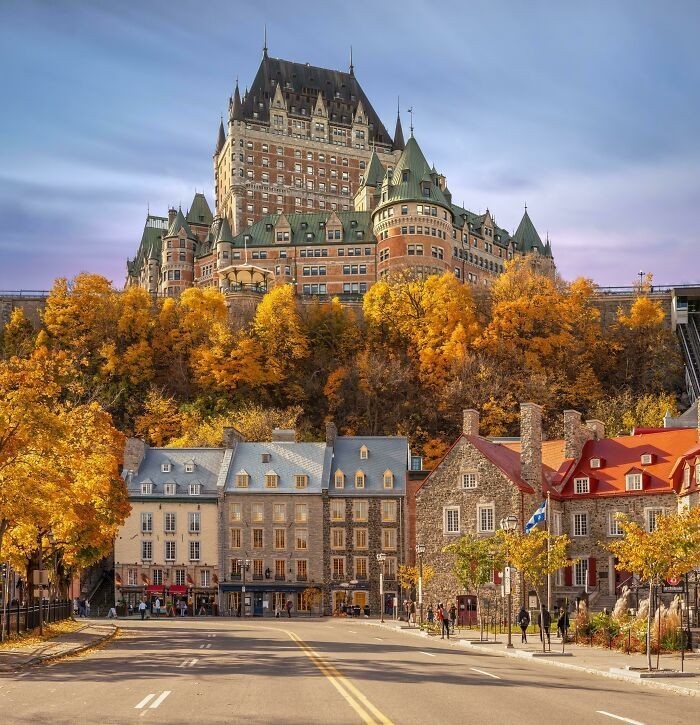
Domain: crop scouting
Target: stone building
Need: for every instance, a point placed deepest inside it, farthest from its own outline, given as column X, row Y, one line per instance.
column 168, row 547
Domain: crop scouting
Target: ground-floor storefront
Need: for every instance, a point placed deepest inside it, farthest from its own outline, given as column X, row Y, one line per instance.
column 268, row 600
column 168, row 601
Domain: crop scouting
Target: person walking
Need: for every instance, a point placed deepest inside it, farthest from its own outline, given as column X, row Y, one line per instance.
column 453, row 617
column 562, row 623
column 156, row 608
column 413, row 612
column 431, row 614
column 112, row 614
column 142, row 609
column 289, row 608
column 523, row 621
column 544, row 620
column 443, row 617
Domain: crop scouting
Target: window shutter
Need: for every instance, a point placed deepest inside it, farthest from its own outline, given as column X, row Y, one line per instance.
column 568, row 576
column 591, row 571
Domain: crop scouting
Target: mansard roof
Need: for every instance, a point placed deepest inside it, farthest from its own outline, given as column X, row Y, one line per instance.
column 301, row 84
column 151, row 243
column 357, row 229
column 384, row 453
column 463, row 217
column 527, row 239
column 199, row 212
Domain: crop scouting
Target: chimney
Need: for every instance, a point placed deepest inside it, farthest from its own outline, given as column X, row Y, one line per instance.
column 575, row 434
column 597, row 428
column 531, row 444
column 284, row 435
column 232, row 436
column 331, row 434
column 134, row 452
column 172, row 213
column 470, row 422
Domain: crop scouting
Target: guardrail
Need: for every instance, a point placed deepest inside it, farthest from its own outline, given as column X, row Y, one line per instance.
column 17, row 618
column 24, row 293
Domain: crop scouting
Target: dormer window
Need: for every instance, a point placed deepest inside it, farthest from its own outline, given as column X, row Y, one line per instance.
column 195, row 489
column 469, row 480
column 686, row 476
column 595, row 463
column 189, row 467
column 169, row 489
column 388, row 479
column 633, row 482
column 271, row 480
column 582, row 485
column 364, row 453
column 404, row 175
column 265, row 457
column 339, row 479
column 242, row 479
column 647, row 459
column 146, row 489
column 166, row 467
column 360, row 479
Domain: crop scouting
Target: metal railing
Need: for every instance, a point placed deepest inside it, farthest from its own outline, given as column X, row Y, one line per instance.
column 17, row 618
column 24, row 293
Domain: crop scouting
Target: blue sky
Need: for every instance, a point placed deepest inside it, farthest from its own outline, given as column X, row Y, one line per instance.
column 588, row 112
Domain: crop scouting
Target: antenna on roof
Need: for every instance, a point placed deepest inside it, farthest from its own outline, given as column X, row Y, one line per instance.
column 525, row 206
column 265, row 41
column 410, row 111
column 352, row 67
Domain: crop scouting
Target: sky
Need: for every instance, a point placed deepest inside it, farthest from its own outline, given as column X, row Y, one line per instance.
column 589, row 113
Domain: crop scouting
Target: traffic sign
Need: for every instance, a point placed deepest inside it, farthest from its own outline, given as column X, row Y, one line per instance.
column 673, row 581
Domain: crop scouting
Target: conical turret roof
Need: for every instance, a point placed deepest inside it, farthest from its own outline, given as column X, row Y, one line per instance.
column 225, row 234
column 199, row 212
column 237, row 111
column 179, row 221
column 375, row 171
column 221, row 140
column 526, row 236
column 398, row 135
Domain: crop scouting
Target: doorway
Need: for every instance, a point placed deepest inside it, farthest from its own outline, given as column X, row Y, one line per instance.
column 466, row 610
column 257, row 604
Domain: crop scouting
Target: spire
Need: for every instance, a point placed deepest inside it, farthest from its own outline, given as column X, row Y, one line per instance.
column 222, row 137
column 352, row 67
column 237, row 112
column 398, row 133
column 410, row 111
column 265, row 42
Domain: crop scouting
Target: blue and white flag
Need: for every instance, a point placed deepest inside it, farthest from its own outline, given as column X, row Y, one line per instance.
column 538, row 517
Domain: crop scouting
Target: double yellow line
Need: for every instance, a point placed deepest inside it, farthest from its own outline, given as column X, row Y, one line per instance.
column 359, row 703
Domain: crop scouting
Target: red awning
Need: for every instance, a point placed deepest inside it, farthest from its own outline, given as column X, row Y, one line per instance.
column 155, row 589
column 177, row 589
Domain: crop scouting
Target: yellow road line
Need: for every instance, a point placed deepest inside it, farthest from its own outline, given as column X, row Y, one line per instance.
column 352, row 695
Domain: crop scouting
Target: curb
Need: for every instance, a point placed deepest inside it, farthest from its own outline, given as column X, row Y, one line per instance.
column 689, row 692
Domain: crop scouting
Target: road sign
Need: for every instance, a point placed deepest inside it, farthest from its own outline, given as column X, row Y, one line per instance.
column 673, row 581
column 507, row 579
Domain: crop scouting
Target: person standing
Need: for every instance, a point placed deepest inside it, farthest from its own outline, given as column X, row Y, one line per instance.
column 156, row 608
column 544, row 620
column 431, row 614
column 412, row 612
column 523, row 621
column 444, row 620
column 289, row 608
column 142, row 609
column 563, row 623
column 453, row 617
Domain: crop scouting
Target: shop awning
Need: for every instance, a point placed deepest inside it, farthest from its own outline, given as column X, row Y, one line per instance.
column 177, row 589
column 155, row 589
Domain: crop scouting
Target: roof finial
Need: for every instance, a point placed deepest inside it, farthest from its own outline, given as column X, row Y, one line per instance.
column 410, row 111
column 398, row 106
column 525, row 206
column 265, row 41
column 352, row 67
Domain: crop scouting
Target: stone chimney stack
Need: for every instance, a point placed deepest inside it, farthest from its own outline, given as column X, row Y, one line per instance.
column 531, row 444
column 172, row 213
column 575, row 434
column 134, row 452
column 470, row 422
column 597, row 429
column 331, row 434
column 232, row 436
column 284, row 435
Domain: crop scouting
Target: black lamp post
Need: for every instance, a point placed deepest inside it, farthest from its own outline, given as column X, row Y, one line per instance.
column 420, row 550
column 381, row 558
column 509, row 524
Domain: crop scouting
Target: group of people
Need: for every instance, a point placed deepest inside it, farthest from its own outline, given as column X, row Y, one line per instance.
column 81, row 607
column 447, row 618
column 544, row 622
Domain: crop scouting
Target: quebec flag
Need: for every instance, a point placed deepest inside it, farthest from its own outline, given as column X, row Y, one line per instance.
column 539, row 516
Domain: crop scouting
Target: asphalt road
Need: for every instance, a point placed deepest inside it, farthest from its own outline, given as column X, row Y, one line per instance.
column 315, row 671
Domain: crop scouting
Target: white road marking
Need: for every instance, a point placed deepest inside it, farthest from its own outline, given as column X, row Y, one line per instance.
column 379, row 638
column 193, row 662
column 618, row 717
column 160, row 699
column 201, row 646
column 187, row 663
column 483, row 672
column 426, row 653
column 207, row 646
column 352, row 631
column 145, row 701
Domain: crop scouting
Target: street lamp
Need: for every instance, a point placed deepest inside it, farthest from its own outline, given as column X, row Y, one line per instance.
column 509, row 524
column 381, row 558
column 420, row 550
column 244, row 564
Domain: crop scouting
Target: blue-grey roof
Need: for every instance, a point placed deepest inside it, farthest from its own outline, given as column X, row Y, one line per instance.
column 207, row 465
column 286, row 460
column 383, row 453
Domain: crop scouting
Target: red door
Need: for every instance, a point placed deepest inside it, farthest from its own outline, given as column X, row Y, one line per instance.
column 466, row 610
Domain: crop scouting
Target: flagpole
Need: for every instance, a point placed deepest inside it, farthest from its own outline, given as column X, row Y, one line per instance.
column 549, row 576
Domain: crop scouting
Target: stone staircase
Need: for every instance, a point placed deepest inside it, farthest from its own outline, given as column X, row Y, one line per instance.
column 604, row 601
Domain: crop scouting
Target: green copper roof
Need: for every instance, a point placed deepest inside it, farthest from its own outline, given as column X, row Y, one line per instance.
column 375, row 171
column 199, row 212
column 526, row 236
column 221, row 140
column 224, row 233
column 178, row 222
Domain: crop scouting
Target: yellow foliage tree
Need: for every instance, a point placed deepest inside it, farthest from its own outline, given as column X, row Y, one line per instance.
column 17, row 337
column 408, row 576
column 161, row 419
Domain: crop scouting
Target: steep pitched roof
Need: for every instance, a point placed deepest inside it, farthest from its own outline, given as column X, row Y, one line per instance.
column 399, row 143
column 375, row 171
column 221, row 140
column 178, row 222
column 384, row 453
column 150, row 246
column 224, row 234
column 199, row 212
column 237, row 107
column 526, row 237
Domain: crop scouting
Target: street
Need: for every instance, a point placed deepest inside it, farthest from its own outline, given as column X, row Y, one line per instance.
column 314, row 671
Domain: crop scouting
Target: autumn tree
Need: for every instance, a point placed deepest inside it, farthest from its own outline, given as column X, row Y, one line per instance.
column 624, row 411
column 17, row 336
column 161, row 419
column 671, row 549
column 408, row 576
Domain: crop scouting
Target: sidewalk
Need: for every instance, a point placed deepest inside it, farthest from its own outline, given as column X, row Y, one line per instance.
column 592, row 660
column 89, row 635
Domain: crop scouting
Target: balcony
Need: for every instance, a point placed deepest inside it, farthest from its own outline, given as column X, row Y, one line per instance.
column 257, row 577
column 235, row 577
column 279, row 577
column 302, row 578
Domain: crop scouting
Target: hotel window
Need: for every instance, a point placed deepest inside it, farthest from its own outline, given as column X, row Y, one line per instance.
column 389, row 539
column 359, row 480
column 339, row 479
column 556, row 523
column 301, row 513
column 169, row 523
column 194, row 550
column 169, row 489
column 633, row 482
column 338, row 564
column 132, row 577
column 302, row 539
column 158, row 576
column 337, row 538
column 469, row 480
column 169, row 551
column 280, row 569
column 146, row 550
column 256, row 512
column 451, row 520
column 195, row 489
column 389, row 509
column 651, row 517
column 337, row 509
column 388, row 479
column 205, row 578
column 614, row 528
column 364, row 451
column 280, row 538
column 360, row 538
column 390, row 567
column 165, row 467
column 486, row 516
column 235, row 512
column 582, row 485
column 301, row 481
column 686, row 476
column 180, row 576
column 236, row 539
column 359, row 510
column 257, row 568
column 279, row 512
column 580, row 524
column 194, row 520
column 257, row 538
column 302, row 570
column 361, row 567
column 146, row 489
column 271, row 480
column 146, row 523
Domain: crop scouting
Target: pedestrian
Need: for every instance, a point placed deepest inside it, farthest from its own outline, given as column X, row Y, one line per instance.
column 87, row 607
column 142, row 609
column 523, row 621
column 130, row 609
column 182, row 604
column 112, row 614
column 156, row 608
column 562, row 623
column 366, row 611
column 289, row 608
column 277, row 611
column 412, row 611
column 453, row 617
column 444, row 621
column 431, row 614
column 76, row 606
column 544, row 620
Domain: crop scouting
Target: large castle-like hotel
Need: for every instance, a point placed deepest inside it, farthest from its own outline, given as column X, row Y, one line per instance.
column 312, row 190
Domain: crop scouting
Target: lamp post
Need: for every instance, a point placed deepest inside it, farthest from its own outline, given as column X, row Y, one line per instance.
column 381, row 558
column 509, row 524
column 52, row 541
column 420, row 550
column 244, row 564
